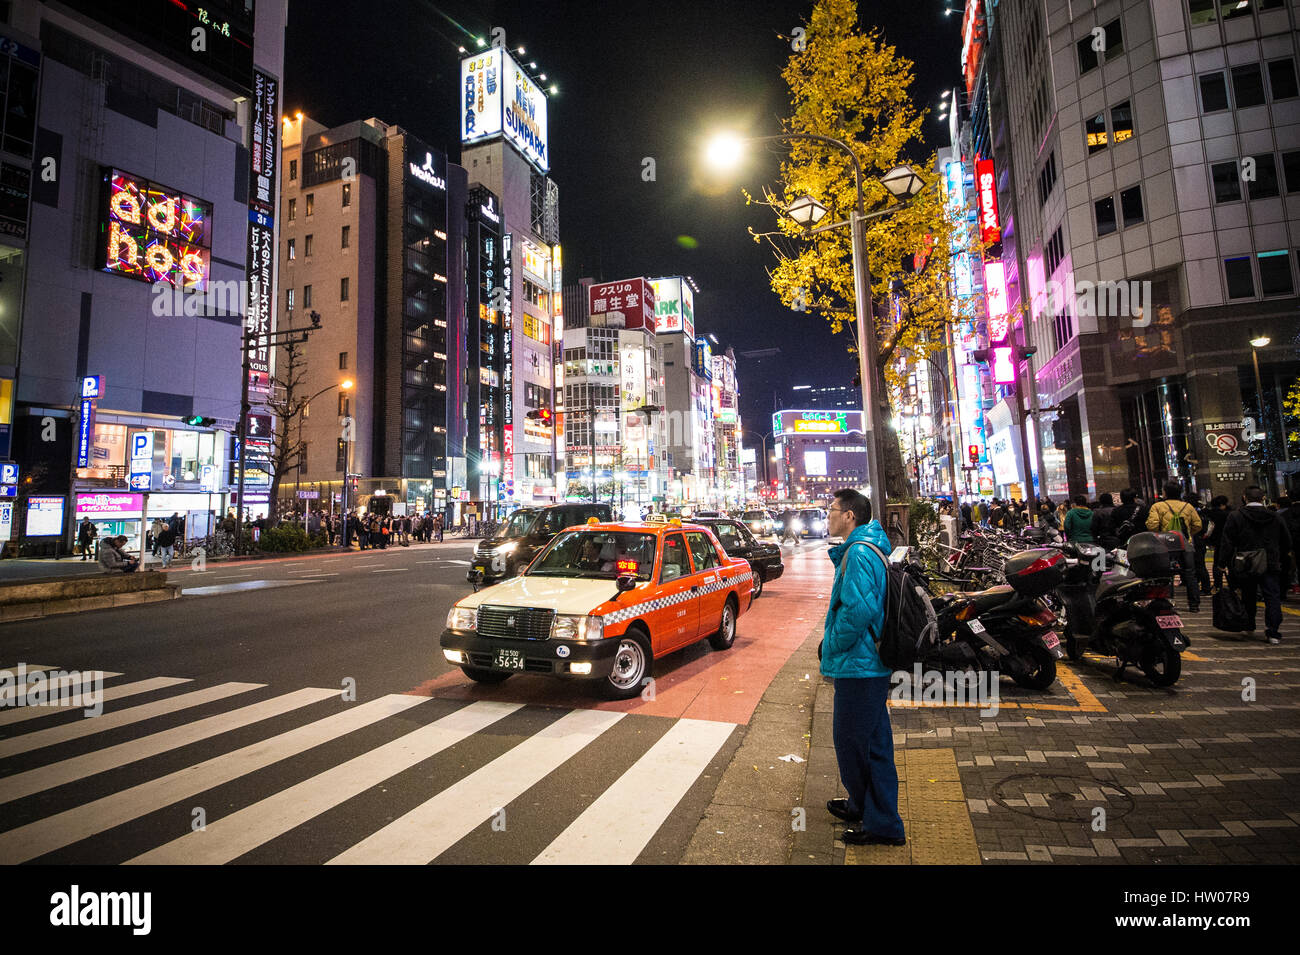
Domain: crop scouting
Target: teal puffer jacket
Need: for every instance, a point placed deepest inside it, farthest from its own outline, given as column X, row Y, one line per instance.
column 857, row 606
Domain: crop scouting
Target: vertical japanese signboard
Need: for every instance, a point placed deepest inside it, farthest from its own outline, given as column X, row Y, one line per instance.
column 507, row 357
column 264, row 155
column 986, row 189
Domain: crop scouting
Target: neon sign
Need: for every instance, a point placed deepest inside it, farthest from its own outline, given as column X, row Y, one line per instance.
column 155, row 234
column 996, row 286
column 1004, row 369
column 987, row 189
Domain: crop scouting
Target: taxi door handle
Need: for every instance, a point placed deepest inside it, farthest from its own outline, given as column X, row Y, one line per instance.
column 695, row 590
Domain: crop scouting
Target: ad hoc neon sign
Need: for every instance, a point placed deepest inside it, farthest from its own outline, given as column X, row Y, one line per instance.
column 155, row 234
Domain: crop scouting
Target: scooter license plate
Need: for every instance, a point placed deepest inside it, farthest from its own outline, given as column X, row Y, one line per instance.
column 1051, row 641
column 1170, row 622
column 976, row 626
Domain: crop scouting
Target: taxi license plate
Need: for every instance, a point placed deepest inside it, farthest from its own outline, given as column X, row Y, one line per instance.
column 976, row 626
column 509, row 660
column 1170, row 622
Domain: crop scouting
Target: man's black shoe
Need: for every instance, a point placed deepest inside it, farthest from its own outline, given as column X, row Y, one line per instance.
column 860, row 837
column 839, row 808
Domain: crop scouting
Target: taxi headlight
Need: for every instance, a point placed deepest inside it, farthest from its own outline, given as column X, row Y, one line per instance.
column 578, row 627
column 462, row 618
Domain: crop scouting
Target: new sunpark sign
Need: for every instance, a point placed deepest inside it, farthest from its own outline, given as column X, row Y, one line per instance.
column 499, row 98
column 816, row 422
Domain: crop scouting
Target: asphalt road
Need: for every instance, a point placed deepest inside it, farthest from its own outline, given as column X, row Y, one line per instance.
column 228, row 706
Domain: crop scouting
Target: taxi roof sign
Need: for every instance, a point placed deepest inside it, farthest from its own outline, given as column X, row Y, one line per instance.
column 593, row 520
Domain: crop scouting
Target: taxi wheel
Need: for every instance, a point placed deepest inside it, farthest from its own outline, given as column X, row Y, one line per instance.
column 758, row 581
column 631, row 666
column 726, row 635
column 479, row 675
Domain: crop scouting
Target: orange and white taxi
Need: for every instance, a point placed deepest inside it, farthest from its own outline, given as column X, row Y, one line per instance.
column 603, row 602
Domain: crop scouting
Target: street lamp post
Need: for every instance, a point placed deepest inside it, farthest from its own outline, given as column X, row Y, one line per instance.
column 1256, row 343
column 345, row 385
column 902, row 183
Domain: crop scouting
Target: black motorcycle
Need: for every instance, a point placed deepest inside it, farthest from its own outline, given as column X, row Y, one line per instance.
column 1127, row 614
column 1007, row 629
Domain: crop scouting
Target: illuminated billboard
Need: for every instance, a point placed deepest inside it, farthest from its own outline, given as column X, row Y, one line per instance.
column 668, row 305
column 986, row 190
column 498, row 97
column 627, row 303
column 155, row 234
column 814, row 463
column 816, row 422
column 995, row 284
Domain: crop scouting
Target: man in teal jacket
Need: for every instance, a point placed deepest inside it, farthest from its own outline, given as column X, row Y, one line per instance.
column 864, row 741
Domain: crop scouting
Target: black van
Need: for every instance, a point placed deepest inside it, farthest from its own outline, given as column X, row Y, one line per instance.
column 528, row 530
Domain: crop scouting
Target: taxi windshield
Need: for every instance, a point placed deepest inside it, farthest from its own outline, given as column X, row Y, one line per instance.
column 519, row 525
column 598, row 554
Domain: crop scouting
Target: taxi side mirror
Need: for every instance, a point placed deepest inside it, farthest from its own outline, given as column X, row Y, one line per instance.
column 625, row 583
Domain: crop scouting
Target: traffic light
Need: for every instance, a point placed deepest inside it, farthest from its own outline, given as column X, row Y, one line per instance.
column 542, row 414
column 1061, row 436
column 199, row 421
column 974, row 452
column 982, row 355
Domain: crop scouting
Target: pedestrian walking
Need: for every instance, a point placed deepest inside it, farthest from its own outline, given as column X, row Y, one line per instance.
column 438, row 527
column 166, row 542
column 864, row 741
column 154, row 530
column 1078, row 521
column 1254, row 542
column 86, row 535
column 1216, row 519
column 1172, row 515
column 1198, row 544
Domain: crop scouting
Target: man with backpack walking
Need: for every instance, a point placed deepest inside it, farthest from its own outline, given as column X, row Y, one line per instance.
column 864, row 741
column 1171, row 514
column 1255, row 542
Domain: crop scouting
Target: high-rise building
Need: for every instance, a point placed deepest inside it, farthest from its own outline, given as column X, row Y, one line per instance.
column 138, row 155
column 688, row 398
column 1144, row 160
column 725, row 393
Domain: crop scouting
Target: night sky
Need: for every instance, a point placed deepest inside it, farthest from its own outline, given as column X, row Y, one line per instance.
column 635, row 80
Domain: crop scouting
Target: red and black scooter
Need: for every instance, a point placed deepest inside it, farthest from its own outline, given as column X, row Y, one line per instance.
column 1127, row 614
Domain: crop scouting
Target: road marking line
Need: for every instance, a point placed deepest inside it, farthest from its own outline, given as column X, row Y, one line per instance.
column 243, row 585
column 102, row 760
column 73, row 825
column 18, row 714
column 433, row 827
column 232, row 576
column 51, row 684
column 615, row 828
column 88, row 727
column 392, row 570
column 30, row 667
column 245, row 830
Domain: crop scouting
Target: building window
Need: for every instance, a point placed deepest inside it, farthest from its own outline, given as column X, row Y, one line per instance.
column 306, row 296
column 1214, row 93
column 292, row 253
column 346, row 237
column 1275, row 273
column 1121, row 122
column 1291, row 171
column 293, row 169
column 347, row 194
column 1112, row 45
column 1047, row 178
column 1241, row 284
column 1062, row 330
column 1227, row 181
column 1201, row 12
column 1095, row 128
column 343, row 289
column 311, row 203
column 306, row 245
column 1105, row 211
column 288, row 300
column 1055, row 251
column 1264, row 185
column 293, row 209
column 1281, row 79
column 1130, row 205
column 343, row 404
column 343, row 361
column 1247, row 86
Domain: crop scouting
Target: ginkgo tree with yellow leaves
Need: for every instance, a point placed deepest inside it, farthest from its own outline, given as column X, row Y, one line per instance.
column 853, row 86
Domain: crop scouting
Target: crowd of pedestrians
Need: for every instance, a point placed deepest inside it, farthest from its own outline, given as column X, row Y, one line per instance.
column 1254, row 548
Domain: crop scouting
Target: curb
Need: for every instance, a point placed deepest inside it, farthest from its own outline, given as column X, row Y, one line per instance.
column 49, row 608
column 753, row 815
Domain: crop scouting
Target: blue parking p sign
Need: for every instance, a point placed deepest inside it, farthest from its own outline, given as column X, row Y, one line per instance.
column 8, row 474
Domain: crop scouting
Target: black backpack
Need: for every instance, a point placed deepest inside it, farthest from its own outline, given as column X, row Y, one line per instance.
column 909, row 628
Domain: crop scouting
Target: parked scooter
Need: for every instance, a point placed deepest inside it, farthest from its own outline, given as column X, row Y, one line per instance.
column 1008, row 628
column 1125, row 613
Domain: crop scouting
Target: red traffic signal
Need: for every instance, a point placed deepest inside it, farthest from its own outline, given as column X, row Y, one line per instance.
column 974, row 452
column 543, row 415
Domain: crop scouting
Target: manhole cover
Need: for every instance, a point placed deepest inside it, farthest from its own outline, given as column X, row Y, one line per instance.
column 1059, row 798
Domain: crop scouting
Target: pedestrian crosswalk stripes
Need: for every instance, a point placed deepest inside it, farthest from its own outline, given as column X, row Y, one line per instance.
column 50, row 682
column 328, row 790
column 245, row 830
column 19, row 714
column 431, row 828
column 88, row 727
column 54, row 832
column 616, row 827
column 90, row 764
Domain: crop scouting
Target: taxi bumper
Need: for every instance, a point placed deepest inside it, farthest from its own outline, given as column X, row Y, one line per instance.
column 553, row 657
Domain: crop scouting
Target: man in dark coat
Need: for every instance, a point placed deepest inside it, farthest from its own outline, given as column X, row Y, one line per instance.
column 1255, row 528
